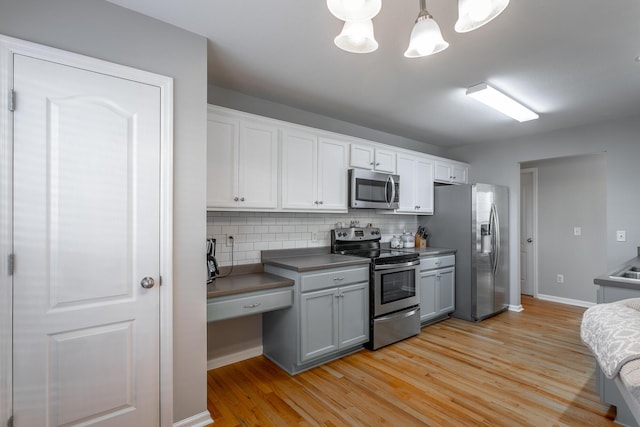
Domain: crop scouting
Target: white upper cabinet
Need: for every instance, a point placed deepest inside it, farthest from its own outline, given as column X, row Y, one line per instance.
column 314, row 172
column 372, row 158
column 416, row 184
column 242, row 163
column 451, row 173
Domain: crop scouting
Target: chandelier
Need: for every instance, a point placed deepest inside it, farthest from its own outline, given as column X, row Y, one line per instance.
column 426, row 38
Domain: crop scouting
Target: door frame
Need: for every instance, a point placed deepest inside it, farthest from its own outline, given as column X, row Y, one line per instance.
column 534, row 196
column 8, row 47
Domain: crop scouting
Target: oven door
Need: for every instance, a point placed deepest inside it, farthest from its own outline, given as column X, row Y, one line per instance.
column 395, row 287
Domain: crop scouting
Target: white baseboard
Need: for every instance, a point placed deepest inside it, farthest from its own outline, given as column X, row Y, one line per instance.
column 567, row 301
column 233, row 358
column 516, row 308
column 199, row 420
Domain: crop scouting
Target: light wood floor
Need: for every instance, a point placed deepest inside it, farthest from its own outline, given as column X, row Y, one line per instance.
column 515, row 369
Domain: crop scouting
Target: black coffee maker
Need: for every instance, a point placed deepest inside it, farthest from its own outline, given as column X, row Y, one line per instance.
column 212, row 264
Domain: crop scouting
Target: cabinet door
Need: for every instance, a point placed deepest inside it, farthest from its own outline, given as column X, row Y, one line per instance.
column 318, row 323
column 257, row 166
column 442, row 172
column 222, row 161
column 446, row 291
column 385, row 161
column 354, row 314
column 361, row 156
column 299, row 170
column 332, row 175
column 428, row 308
column 408, row 182
column 423, row 186
column 458, row 174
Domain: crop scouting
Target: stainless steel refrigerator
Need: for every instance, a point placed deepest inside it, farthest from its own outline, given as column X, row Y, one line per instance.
column 473, row 219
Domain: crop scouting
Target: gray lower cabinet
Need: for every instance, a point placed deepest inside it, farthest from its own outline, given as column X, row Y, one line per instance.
column 607, row 388
column 437, row 288
column 333, row 319
column 329, row 318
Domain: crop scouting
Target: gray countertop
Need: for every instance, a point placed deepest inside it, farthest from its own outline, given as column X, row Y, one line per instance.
column 620, row 282
column 244, row 283
column 312, row 262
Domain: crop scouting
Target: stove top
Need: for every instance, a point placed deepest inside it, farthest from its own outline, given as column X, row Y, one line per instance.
column 365, row 242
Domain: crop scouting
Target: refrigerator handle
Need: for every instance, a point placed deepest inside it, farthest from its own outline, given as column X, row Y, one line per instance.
column 496, row 236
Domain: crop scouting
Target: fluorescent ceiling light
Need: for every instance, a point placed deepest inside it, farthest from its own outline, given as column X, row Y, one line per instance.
column 501, row 102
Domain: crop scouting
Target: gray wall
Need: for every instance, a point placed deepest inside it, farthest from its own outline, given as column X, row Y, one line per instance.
column 499, row 163
column 102, row 30
column 250, row 104
column 571, row 193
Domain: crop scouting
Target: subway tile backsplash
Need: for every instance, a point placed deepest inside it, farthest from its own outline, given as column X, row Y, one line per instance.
column 256, row 231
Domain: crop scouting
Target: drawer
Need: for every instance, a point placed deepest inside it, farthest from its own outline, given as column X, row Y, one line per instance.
column 246, row 304
column 332, row 278
column 429, row 263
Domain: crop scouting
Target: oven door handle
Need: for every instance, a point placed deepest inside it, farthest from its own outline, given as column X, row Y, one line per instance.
column 396, row 266
column 396, row 316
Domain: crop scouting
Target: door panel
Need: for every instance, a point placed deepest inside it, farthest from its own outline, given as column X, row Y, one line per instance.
column 86, row 231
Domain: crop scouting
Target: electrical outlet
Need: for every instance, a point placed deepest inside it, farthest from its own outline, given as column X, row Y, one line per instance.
column 560, row 278
column 229, row 240
column 577, row 231
column 621, row 236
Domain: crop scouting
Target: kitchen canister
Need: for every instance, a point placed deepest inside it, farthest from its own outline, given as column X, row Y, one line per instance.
column 408, row 240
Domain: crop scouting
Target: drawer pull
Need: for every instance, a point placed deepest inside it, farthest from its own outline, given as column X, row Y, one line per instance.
column 254, row 305
column 338, row 279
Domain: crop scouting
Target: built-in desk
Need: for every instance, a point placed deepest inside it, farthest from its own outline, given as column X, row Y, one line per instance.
column 246, row 294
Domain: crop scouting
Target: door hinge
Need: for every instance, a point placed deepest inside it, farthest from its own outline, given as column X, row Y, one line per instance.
column 160, row 280
column 12, row 100
column 12, row 262
column 10, row 421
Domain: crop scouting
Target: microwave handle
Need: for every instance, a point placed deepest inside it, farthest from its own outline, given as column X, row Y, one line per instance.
column 393, row 190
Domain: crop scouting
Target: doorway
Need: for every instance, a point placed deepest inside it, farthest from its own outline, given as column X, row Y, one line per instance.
column 528, row 231
column 86, row 208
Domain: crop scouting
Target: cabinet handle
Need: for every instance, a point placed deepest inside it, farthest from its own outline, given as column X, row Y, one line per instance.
column 315, row 203
column 320, row 202
column 339, row 295
column 371, row 163
column 235, row 199
column 254, row 305
column 242, row 199
column 378, row 164
column 338, row 279
column 417, row 206
column 438, row 262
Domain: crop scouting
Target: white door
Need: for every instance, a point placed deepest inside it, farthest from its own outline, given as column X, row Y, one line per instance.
column 257, row 165
column 527, row 240
column 86, row 233
column 332, row 174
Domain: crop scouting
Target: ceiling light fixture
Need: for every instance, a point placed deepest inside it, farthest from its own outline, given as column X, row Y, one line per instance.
column 354, row 10
column 357, row 37
column 501, row 102
column 474, row 14
column 426, row 37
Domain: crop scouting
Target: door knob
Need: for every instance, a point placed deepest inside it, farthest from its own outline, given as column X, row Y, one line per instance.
column 147, row 282
column 529, row 240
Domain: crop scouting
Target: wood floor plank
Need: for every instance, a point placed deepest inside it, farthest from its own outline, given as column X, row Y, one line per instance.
column 514, row 369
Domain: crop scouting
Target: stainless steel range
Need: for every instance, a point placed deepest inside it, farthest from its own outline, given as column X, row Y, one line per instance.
column 394, row 284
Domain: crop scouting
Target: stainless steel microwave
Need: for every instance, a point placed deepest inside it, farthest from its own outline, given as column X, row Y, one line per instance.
column 373, row 190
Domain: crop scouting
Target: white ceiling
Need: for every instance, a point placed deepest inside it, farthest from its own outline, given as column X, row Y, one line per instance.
column 572, row 61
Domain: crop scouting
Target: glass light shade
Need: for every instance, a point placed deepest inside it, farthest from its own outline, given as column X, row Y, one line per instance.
column 357, row 37
column 354, row 10
column 474, row 14
column 426, row 39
